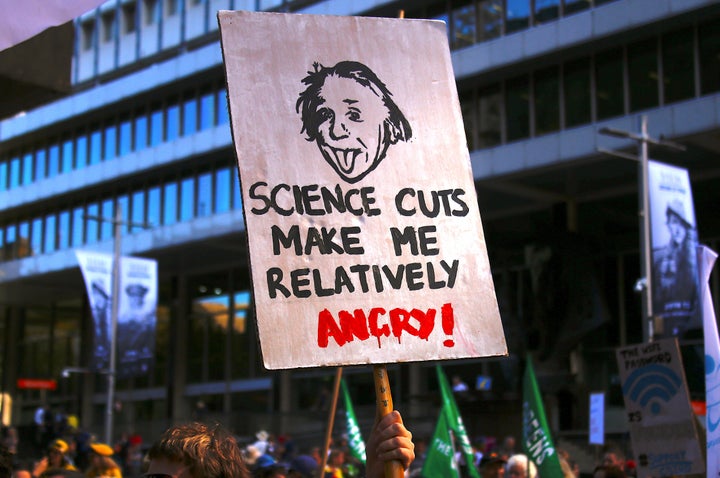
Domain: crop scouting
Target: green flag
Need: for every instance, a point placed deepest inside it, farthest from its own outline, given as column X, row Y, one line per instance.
column 440, row 460
column 355, row 441
column 537, row 441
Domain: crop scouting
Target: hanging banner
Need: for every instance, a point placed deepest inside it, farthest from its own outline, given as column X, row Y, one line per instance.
column 135, row 333
column 597, row 419
column 363, row 227
column 136, row 316
column 675, row 291
column 96, row 269
column 657, row 404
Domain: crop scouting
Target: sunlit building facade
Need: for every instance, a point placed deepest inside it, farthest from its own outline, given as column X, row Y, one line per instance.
column 146, row 131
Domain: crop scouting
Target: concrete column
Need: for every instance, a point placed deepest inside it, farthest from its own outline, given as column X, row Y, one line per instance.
column 177, row 408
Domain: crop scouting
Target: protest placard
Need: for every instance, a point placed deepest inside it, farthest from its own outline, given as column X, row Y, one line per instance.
column 364, row 233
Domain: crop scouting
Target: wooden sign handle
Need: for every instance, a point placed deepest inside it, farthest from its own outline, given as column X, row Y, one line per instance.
column 383, row 399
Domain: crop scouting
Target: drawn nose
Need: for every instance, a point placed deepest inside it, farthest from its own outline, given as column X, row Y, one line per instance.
column 338, row 130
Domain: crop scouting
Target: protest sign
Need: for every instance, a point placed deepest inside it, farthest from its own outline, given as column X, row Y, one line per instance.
column 364, row 234
column 657, row 404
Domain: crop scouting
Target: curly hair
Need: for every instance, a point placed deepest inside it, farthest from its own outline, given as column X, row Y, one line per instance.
column 207, row 451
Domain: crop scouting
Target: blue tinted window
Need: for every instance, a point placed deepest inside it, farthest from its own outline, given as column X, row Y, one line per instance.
column 14, row 172
column 125, row 138
column 205, row 195
column 95, row 147
column 187, row 199
column 123, row 202
column 53, row 160
column 36, row 237
column 67, row 156
column 170, row 203
column 207, row 111
column 81, row 153
column 27, row 169
column 138, row 210
column 10, row 238
column 3, row 175
column 173, row 122
column 156, row 128
column 518, row 14
column 40, row 164
column 78, row 223
column 64, row 230
column 222, row 190
column 546, row 10
column 189, row 116
column 236, row 194
column 92, row 225
column 110, row 142
column 141, row 133
column 108, row 214
column 223, row 115
column 50, row 233
column 153, row 207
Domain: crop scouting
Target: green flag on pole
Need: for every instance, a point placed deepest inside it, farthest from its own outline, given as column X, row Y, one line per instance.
column 440, row 460
column 537, row 441
column 355, row 440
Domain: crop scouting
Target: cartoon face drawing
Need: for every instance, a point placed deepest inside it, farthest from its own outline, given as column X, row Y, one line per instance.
column 348, row 112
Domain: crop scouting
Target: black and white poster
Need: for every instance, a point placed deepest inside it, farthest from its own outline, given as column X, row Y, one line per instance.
column 96, row 268
column 675, row 292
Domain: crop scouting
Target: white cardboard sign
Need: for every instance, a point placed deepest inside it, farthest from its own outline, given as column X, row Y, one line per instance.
column 364, row 234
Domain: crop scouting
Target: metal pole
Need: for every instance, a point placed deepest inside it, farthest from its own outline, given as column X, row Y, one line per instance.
column 645, row 245
column 113, row 327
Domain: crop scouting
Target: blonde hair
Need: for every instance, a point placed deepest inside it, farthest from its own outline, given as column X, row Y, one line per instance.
column 522, row 461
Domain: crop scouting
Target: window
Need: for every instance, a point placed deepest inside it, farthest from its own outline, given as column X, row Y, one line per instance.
column 78, row 223
column 81, row 151
column 67, row 156
column 489, row 19
column 141, row 132
column 467, row 107
column 643, row 74
column 53, row 160
column 463, row 26
column 187, row 199
column 576, row 86
column 173, row 122
column 123, row 204
column 222, row 190
column 11, row 242
column 678, row 65
column 572, row 6
column 205, row 195
column 125, row 142
column 153, row 206
column 546, row 10
column 488, row 116
column 40, row 165
column 207, row 111
column 171, row 7
column 88, row 34
column 92, row 225
column 128, row 11
column 63, row 232
column 170, row 200
column 107, row 214
column 110, row 142
column 108, row 25
column 709, row 48
column 27, row 169
column 190, row 116
column 517, row 15
column 36, row 236
column 223, row 115
column 14, row 172
column 547, row 100
column 95, row 146
column 138, row 210
column 3, row 175
column 50, row 233
column 609, row 84
column 517, row 104
column 150, row 12
column 156, row 127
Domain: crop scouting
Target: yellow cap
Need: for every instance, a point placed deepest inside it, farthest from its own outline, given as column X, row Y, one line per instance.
column 59, row 445
column 102, row 449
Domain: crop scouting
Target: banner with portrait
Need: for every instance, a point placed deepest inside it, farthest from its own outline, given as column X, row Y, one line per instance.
column 137, row 316
column 96, row 269
column 674, row 286
column 364, row 234
column 135, row 330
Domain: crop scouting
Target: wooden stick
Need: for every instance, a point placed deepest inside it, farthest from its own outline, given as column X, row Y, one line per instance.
column 331, row 421
column 383, row 399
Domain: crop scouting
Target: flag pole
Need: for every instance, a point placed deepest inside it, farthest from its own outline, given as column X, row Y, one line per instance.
column 331, row 421
column 384, row 402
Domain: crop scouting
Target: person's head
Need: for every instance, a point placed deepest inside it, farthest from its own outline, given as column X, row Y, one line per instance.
column 196, row 450
column 100, row 456
column 492, row 465
column 518, row 466
column 336, row 457
column 136, row 295
column 350, row 115
column 613, row 456
column 303, row 466
column 677, row 222
column 56, row 453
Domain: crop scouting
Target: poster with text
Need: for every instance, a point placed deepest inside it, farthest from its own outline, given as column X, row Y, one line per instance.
column 657, row 406
column 675, row 291
column 364, row 233
column 96, row 268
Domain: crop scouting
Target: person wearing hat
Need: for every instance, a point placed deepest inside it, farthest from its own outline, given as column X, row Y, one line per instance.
column 674, row 286
column 135, row 331
column 101, row 462
column 303, row 466
column 492, row 465
column 54, row 460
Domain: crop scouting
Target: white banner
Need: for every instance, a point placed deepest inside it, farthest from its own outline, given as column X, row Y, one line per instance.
column 136, row 316
column 706, row 261
column 675, row 292
column 597, row 418
column 96, row 269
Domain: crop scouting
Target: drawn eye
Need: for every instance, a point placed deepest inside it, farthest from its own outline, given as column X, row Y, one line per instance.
column 354, row 115
column 324, row 114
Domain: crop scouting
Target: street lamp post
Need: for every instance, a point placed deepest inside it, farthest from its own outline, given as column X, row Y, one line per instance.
column 643, row 140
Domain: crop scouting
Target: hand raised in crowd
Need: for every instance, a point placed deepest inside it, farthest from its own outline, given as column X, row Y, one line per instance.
column 389, row 440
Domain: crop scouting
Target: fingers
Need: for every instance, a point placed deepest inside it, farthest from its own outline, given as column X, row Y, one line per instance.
column 394, row 441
